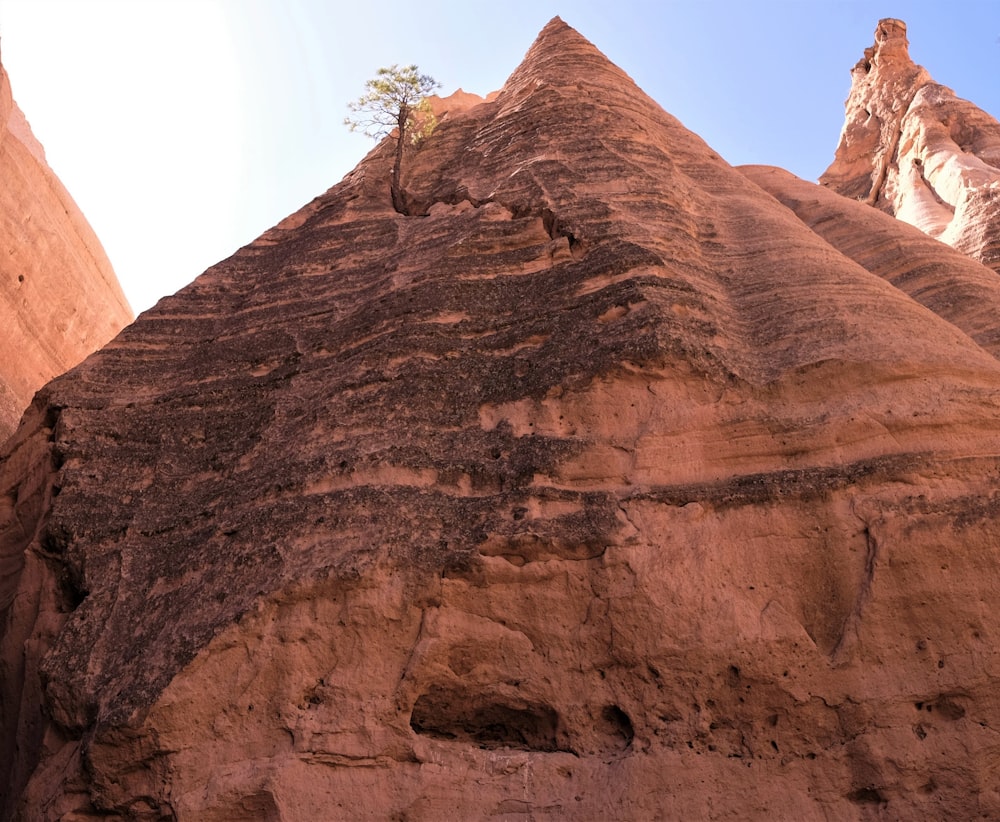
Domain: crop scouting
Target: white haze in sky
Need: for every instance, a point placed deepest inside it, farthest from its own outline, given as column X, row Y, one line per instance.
column 185, row 128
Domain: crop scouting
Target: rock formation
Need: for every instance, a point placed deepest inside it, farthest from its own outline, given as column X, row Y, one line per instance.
column 912, row 148
column 959, row 289
column 604, row 486
column 59, row 298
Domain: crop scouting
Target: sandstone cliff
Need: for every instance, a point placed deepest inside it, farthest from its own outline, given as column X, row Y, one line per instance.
column 59, row 298
column 603, row 487
column 910, row 147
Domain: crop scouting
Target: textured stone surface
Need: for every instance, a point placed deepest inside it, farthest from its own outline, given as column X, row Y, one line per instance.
column 604, row 486
column 911, row 147
column 961, row 290
column 59, row 298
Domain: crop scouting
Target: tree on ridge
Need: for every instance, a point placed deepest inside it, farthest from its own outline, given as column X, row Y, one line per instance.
column 396, row 98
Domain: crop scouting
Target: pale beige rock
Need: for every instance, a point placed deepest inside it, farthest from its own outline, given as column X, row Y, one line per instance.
column 911, row 147
column 600, row 486
column 59, row 298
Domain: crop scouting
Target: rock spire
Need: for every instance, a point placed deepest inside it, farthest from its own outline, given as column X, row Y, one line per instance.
column 911, row 147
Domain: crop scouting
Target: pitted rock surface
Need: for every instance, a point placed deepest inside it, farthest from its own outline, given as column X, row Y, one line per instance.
column 600, row 485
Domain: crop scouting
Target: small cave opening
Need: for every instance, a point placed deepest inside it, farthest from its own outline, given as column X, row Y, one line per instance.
column 867, row 796
column 444, row 713
column 617, row 725
column 555, row 228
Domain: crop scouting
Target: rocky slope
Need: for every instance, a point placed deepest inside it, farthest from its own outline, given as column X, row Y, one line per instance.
column 961, row 290
column 600, row 486
column 59, row 298
column 914, row 149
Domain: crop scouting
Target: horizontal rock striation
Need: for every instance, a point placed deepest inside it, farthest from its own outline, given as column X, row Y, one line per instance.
column 59, row 298
column 914, row 149
column 959, row 289
column 599, row 485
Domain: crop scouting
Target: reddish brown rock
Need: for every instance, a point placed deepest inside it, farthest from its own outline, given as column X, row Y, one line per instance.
column 959, row 289
column 59, row 298
column 456, row 102
column 914, row 149
column 601, row 486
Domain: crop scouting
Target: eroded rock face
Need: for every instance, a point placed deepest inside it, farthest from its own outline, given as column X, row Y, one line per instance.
column 600, row 486
column 914, row 149
column 959, row 289
column 59, row 298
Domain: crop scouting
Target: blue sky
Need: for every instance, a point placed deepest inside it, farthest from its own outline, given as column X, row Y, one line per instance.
column 185, row 128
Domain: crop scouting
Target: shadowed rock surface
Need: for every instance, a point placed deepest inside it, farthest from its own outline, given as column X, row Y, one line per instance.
column 59, row 298
column 914, row 149
column 601, row 486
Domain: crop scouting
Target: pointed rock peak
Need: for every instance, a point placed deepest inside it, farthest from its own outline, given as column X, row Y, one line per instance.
column 891, row 31
column 556, row 31
column 560, row 54
column 556, row 37
column 888, row 57
column 554, row 25
column 914, row 149
column 883, row 85
column 891, row 45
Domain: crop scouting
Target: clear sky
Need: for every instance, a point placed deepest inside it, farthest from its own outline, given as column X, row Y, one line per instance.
column 185, row 128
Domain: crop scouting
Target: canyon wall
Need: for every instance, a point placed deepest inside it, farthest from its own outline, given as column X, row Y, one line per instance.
column 59, row 297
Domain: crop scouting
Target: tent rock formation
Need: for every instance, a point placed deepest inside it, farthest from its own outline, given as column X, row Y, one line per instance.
column 607, row 486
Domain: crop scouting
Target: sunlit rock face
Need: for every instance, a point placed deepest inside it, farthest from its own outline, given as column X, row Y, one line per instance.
column 59, row 298
column 961, row 290
column 600, row 485
column 910, row 147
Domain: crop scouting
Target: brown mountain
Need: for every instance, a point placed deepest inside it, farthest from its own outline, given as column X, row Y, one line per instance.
column 59, row 297
column 602, row 485
column 914, row 149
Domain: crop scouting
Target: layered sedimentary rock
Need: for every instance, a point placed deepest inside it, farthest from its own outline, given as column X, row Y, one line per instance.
column 597, row 486
column 959, row 289
column 914, row 149
column 59, row 298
